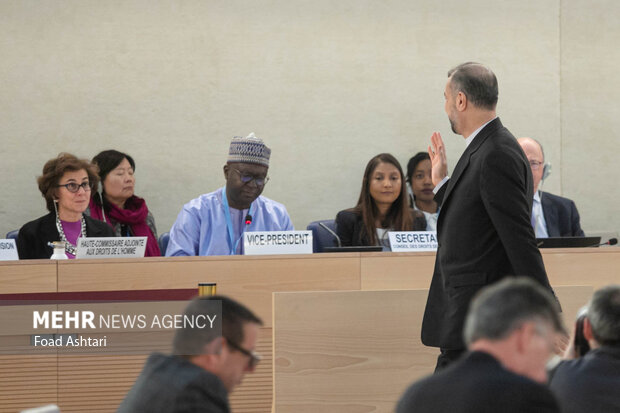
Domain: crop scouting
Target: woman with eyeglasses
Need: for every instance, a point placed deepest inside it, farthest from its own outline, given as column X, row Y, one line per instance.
column 117, row 205
column 66, row 185
column 382, row 206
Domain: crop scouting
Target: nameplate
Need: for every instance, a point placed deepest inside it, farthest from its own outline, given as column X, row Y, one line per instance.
column 407, row 241
column 277, row 242
column 114, row 247
column 8, row 250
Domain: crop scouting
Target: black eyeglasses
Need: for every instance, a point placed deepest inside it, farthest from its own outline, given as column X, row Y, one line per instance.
column 73, row 187
column 254, row 357
column 247, row 178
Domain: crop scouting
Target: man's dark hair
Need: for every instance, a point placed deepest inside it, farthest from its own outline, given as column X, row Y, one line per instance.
column 604, row 315
column 191, row 341
column 502, row 308
column 477, row 82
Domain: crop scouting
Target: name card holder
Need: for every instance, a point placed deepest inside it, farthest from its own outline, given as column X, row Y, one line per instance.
column 277, row 242
column 416, row 241
column 113, row 247
column 8, row 250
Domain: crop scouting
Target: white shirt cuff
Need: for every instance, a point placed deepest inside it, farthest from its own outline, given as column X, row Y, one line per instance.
column 440, row 184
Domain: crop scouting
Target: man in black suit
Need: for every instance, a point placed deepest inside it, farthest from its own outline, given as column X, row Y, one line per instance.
column 510, row 331
column 484, row 230
column 552, row 215
column 591, row 383
column 209, row 359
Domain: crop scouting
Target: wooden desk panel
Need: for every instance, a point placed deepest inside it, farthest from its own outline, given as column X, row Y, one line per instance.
column 27, row 276
column 250, row 280
column 568, row 266
column 350, row 351
column 27, row 381
column 597, row 267
column 397, row 270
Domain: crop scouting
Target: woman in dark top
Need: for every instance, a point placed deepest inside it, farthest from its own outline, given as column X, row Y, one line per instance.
column 117, row 205
column 382, row 206
column 420, row 186
column 66, row 185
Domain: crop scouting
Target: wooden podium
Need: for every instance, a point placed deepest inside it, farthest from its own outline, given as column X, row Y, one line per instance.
column 98, row 383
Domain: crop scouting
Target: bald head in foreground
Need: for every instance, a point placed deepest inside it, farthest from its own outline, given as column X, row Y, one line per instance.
column 510, row 331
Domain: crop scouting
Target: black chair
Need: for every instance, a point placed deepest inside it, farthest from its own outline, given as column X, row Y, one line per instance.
column 12, row 234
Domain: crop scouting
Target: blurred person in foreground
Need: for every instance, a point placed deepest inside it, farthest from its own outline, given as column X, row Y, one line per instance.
column 511, row 330
column 591, row 383
column 205, row 366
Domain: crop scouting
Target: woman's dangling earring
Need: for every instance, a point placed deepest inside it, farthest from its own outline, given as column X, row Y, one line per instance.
column 56, row 208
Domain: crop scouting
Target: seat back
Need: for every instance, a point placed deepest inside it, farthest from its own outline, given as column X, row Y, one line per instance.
column 12, row 234
column 163, row 243
column 321, row 238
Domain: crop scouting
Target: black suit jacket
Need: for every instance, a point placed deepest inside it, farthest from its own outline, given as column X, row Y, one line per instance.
column 477, row 384
column 561, row 216
column 484, row 231
column 350, row 227
column 33, row 237
column 590, row 383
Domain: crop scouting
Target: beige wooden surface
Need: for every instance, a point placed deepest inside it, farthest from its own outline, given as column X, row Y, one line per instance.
column 569, row 266
column 28, row 276
column 357, row 351
column 352, row 351
column 251, row 280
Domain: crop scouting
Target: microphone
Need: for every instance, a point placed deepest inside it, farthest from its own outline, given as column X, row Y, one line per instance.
column 610, row 241
column 248, row 219
column 331, row 232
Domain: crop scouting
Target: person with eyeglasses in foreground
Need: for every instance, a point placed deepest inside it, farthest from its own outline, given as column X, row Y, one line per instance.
column 206, row 364
column 214, row 223
column 552, row 215
column 66, row 184
column 511, row 330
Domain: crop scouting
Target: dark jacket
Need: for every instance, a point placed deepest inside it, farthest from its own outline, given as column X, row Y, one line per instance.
column 477, row 384
column 590, row 383
column 33, row 237
column 484, row 232
column 561, row 216
column 170, row 384
column 350, row 227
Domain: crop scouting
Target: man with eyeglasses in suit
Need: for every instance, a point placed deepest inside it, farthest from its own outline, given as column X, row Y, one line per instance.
column 214, row 223
column 209, row 359
column 552, row 215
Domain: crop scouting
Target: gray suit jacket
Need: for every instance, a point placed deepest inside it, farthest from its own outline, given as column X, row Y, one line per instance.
column 171, row 384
